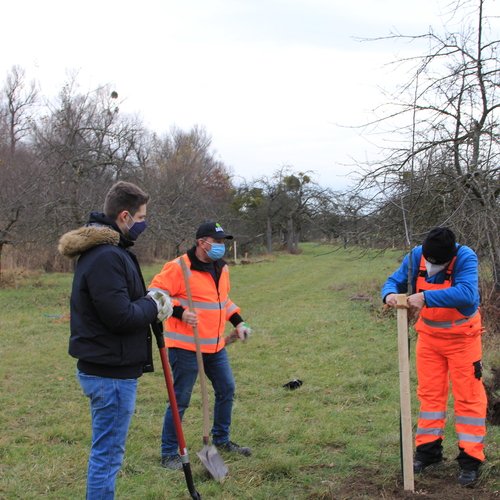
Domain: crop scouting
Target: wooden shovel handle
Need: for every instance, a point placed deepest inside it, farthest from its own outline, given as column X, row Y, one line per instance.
column 199, row 357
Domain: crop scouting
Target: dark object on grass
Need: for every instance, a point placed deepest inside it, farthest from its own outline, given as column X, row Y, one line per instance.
column 293, row 384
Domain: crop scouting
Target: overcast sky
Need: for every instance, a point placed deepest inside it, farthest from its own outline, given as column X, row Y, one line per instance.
column 273, row 82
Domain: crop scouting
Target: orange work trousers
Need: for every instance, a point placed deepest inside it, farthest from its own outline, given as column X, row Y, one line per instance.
column 455, row 358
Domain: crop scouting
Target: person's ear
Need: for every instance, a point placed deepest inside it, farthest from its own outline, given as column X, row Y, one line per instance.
column 123, row 216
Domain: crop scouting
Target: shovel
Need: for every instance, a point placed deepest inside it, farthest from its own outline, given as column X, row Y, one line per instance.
column 209, row 455
column 186, row 466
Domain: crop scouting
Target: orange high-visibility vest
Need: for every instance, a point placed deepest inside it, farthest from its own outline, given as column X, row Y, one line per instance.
column 444, row 320
column 211, row 304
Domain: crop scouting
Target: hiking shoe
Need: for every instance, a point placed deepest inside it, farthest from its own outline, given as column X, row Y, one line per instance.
column 468, row 477
column 235, row 448
column 173, row 462
column 420, row 465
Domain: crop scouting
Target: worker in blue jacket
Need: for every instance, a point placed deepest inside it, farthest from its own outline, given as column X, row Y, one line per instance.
column 445, row 300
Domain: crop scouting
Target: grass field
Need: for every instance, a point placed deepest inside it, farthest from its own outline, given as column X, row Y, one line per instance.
column 316, row 316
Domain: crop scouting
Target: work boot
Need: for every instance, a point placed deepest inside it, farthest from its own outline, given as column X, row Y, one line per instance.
column 469, row 468
column 468, row 477
column 235, row 448
column 173, row 462
column 420, row 465
column 428, row 454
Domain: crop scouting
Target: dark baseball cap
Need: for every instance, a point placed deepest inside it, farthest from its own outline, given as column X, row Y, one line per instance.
column 213, row 230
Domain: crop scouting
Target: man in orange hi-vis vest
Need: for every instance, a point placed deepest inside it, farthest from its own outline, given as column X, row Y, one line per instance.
column 446, row 301
column 209, row 283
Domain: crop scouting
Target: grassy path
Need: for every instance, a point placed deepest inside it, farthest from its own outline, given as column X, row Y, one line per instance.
column 315, row 316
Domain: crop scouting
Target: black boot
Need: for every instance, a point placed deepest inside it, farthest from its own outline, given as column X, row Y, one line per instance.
column 469, row 469
column 468, row 477
column 235, row 448
column 428, row 454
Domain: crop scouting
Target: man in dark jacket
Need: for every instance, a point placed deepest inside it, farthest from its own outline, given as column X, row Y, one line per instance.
column 110, row 325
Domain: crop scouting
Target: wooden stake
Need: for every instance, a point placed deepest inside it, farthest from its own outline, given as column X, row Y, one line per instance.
column 404, row 393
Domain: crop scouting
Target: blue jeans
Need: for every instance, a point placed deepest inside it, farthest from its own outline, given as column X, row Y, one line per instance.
column 112, row 403
column 185, row 371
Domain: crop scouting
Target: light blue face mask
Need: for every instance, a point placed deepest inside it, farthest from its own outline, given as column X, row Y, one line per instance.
column 217, row 250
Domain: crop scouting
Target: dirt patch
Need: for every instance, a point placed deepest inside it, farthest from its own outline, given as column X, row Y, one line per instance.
column 439, row 483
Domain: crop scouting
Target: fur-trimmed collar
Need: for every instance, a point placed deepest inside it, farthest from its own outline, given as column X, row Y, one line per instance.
column 74, row 243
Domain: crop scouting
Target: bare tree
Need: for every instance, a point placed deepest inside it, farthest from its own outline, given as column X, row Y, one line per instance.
column 19, row 97
column 187, row 185
column 17, row 163
column 446, row 171
column 273, row 202
column 87, row 145
column 285, row 204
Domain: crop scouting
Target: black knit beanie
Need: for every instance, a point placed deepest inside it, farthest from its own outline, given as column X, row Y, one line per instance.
column 439, row 245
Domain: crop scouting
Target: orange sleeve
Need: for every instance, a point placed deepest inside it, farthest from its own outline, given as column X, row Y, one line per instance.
column 231, row 307
column 169, row 279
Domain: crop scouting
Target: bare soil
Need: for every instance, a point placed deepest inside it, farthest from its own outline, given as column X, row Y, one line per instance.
column 438, row 483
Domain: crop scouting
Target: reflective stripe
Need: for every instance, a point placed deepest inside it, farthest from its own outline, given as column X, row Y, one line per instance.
column 178, row 262
column 470, row 420
column 189, row 339
column 447, row 324
column 432, row 415
column 437, row 324
column 433, row 431
column 470, row 438
column 157, row 290
column 204, row 305
column 232, row 308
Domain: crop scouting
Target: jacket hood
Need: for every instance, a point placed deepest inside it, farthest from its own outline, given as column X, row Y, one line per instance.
column 99, row 231
column 76, row 242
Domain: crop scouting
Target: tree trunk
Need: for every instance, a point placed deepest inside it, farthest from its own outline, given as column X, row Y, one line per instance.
column 1, row 249
column 290, row 236
column 269, row 236
column 296, row 239
column 494, row 247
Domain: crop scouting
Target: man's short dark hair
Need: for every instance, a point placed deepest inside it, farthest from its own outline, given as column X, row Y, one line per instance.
column 124, row 196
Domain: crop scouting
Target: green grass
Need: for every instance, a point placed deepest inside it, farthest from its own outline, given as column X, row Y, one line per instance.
column 315, row 316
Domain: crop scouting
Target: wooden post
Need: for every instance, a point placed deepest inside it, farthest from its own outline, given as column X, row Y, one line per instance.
column 404, row 393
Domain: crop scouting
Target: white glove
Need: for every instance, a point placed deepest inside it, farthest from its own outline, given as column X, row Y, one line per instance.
column 243, row 330
column 163, row 303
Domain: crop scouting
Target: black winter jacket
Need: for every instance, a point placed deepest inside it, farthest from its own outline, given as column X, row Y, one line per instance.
column 110, row 314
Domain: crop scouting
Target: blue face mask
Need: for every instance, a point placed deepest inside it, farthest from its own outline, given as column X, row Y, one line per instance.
column 136, row 229
column 217, row 250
